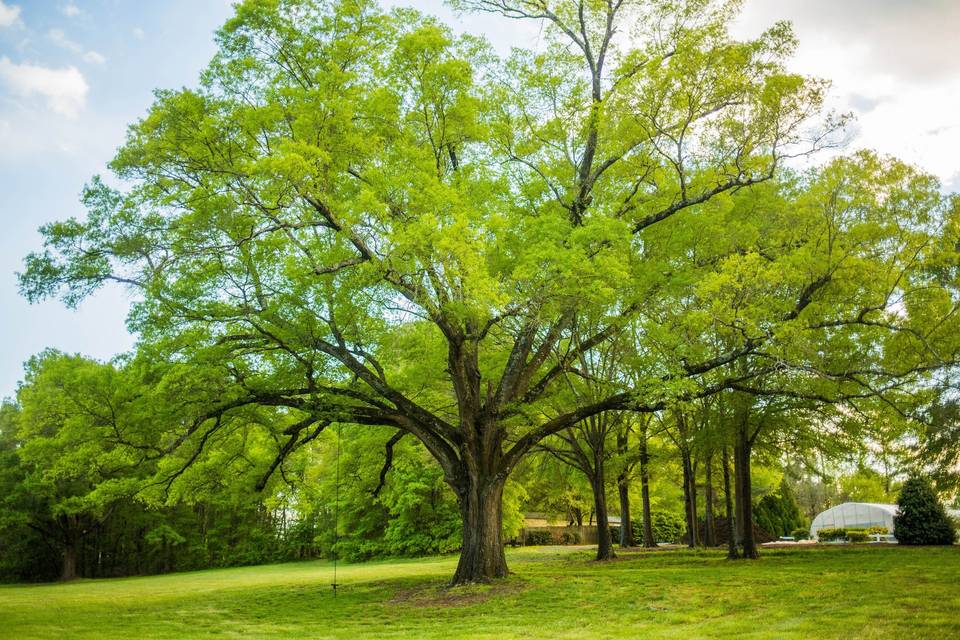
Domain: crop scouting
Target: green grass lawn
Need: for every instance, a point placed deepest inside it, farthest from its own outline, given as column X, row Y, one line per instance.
column 825, row 592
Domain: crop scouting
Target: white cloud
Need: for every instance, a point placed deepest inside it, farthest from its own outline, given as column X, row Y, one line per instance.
column 952, row 185
column 138, row 33
column 920, row 125
column 913, row 40
column 94, row 57
column 9, row 14
column 59, row 38
column 894, row 64
column 65, row 89
column 70, row 10
column 33, row 134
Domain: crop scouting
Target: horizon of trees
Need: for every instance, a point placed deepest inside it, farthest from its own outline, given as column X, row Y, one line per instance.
column 74, row 505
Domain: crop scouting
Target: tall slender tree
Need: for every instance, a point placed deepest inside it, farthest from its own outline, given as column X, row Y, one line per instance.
column 627, row 461
column 585, row 447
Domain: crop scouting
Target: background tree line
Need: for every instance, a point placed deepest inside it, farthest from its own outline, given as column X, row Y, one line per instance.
column 78, row 502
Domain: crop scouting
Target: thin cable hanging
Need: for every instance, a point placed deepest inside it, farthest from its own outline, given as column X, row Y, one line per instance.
column 336, row 519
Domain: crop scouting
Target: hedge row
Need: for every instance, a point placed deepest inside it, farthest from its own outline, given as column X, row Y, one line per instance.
column 850, row 535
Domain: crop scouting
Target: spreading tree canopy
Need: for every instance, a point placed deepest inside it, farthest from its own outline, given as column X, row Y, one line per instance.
column 68, row 426
column 358, row 217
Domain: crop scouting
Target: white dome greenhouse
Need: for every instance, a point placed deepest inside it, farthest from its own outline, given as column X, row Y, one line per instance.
column 855, row 515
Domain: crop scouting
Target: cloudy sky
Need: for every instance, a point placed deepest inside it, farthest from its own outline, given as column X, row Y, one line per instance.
column 74, row 73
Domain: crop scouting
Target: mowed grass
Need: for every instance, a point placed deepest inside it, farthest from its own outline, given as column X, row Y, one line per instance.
column 825, row 592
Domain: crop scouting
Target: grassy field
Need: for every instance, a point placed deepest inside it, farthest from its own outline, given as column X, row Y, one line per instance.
column 828, row 592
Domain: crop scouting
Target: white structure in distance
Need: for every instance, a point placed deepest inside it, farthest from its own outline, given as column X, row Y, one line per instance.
column 854, row 515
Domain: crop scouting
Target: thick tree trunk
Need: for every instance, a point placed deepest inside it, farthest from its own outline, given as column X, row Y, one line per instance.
column 648, row 540
column 626, row 522
column 733, row 548
column 481, row 556
column 604, row 539
column 748, row 544
column 69, row 568
column 710, row 527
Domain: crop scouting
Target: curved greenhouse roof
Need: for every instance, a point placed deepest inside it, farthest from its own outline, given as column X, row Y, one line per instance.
column 855, row 515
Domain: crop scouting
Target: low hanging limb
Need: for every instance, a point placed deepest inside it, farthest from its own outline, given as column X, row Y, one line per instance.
column 388, row 462
column 295, row 442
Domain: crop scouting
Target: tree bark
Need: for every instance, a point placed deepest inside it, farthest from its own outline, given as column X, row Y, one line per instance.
column 748, row 544
column 626, row 522
column 689, row 498
column 623, row 489
column 733, row 548
column 709, row 527
column 481, row 555
column 738, row 492
column 604, row 539
column 648, row 540
column 69, row 568
column 575, row 516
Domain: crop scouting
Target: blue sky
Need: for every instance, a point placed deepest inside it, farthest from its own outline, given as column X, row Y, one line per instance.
column 75, row 73
column 72, row 76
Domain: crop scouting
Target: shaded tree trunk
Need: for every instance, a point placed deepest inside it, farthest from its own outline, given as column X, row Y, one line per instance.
column 710, row 527
column 98, row 554
column 626, row 522
column 481, row 555
column 604, row 539
column 585, row 450
column 69, row 568
column 733, row 540
column 738, row 492
column 648, row 540
column 623, row 488
column 576, row 516
column 689, row 497
column 742, row 451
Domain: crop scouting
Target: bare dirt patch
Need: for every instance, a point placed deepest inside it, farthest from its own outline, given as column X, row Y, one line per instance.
column 433, row 595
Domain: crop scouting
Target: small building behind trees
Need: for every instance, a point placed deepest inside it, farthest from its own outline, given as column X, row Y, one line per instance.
column 854, row 515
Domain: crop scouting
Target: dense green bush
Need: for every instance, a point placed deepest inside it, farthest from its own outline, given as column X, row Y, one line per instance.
column 779, row 514
column 636, row 525
column 829, row 535
column 857, row 535
column 850, row 535
column 538, row 537
column 667, row 527
column 921, row 518
column 570, row 537
column 800, row 534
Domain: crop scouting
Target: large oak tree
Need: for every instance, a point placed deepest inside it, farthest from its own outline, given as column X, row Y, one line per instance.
column 358, row 217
